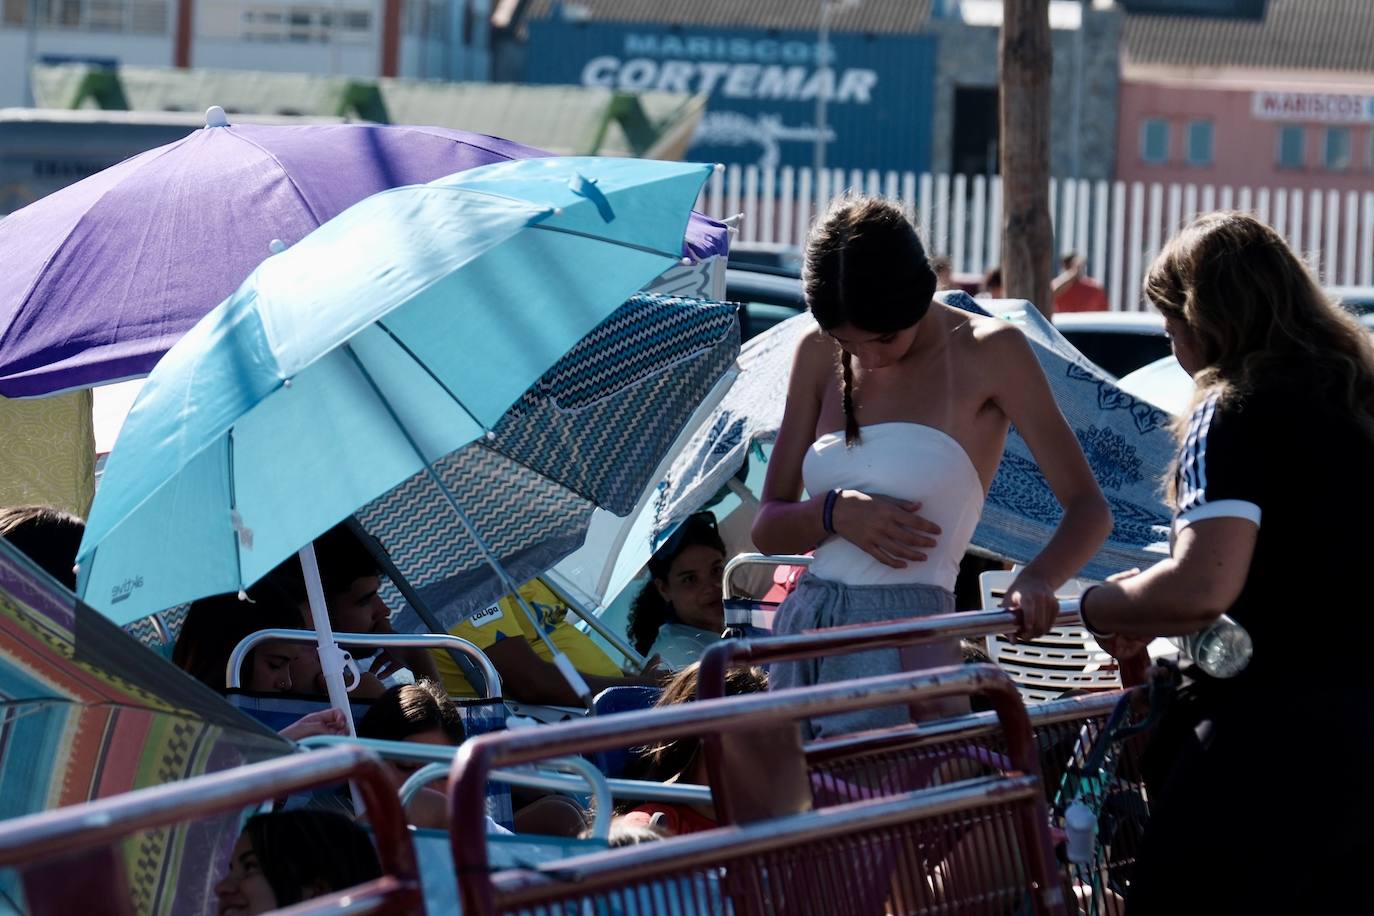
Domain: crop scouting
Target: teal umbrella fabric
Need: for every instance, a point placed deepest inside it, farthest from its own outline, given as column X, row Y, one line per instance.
column 392, row 336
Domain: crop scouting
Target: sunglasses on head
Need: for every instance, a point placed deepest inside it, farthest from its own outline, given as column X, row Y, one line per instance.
column 693, row 522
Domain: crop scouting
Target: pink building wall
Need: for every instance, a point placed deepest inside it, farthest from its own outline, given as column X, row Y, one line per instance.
column 1245, row 147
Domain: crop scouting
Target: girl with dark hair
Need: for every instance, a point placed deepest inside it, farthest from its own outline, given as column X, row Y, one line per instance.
column 897, row 413
column 1277, row 451
column 680, row 612
column 420, row 713
column 215, row 625
column 48, row 536
column 287, row 857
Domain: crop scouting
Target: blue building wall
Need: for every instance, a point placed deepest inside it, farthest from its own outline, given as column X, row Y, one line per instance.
column 763, row 87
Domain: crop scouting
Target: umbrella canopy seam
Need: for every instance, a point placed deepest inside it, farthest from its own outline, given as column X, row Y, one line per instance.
column 61, row 248
column 443, row 386
column 286, row 173
column 645, row 249
column 645, row 380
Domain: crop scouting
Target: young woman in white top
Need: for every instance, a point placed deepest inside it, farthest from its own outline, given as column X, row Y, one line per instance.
column 897, row 414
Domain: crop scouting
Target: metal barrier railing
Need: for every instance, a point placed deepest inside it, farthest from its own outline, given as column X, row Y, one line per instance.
column 48, row 848
column 882, row 763
column 587, row 777
column 857, row 637
column 372, row 640
column 890, row 821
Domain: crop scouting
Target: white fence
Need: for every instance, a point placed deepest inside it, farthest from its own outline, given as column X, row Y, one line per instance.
column 1116, row 226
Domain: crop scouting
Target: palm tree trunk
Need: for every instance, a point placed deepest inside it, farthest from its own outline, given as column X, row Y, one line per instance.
column 1026, row 59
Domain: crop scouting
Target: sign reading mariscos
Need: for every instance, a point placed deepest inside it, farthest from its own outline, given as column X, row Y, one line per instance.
column 763, row 87
column 1337, row 107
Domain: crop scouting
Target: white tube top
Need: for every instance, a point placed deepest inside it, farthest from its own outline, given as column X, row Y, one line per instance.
column 908, row 461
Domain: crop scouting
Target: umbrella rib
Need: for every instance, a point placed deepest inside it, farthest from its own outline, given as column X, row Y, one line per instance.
column 61, row 246
column 233, row 506
column 601, row 239
column 285, row 173
column 492, row 560
column 457, row 400
column 405, row 348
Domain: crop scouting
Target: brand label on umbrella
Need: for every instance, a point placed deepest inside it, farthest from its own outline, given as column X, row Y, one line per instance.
column 125, row 589
column 490, row 615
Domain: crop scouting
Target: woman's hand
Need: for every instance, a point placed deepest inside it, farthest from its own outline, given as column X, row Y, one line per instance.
column 1123, row 648
column 1033, row 600
column 889, row 530
column 322, row 722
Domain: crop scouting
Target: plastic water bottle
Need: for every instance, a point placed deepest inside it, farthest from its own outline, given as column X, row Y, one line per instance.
column 1222, row 650
column 1080, row 827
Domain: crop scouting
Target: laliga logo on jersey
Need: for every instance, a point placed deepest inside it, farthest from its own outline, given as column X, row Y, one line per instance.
column 126, row 588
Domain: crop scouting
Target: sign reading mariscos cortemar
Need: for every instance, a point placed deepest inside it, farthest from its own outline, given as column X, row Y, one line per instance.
column 763, row 87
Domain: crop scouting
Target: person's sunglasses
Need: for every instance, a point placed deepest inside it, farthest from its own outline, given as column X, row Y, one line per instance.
column 694, row 522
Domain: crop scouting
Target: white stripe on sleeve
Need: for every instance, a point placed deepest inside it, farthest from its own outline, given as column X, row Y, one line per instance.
column 1222, row 508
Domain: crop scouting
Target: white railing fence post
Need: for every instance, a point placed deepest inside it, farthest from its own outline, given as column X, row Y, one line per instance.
column 1118, row 227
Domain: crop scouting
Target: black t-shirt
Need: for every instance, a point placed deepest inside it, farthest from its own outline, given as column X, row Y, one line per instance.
column 1303, row 471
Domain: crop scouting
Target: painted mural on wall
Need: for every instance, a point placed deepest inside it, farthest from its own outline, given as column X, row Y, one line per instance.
column 764, row 87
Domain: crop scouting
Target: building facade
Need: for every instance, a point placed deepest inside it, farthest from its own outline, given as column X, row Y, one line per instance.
column 912, row 84
column 1282, row 100
column 425, row 39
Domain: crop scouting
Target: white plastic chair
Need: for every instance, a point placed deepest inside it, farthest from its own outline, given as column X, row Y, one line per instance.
column 1064, row 659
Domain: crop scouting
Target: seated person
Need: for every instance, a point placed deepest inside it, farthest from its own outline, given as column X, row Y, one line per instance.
column 49, row 537
column 504, row 632
column 214, row 626
column 680, row 612
column 420, row 713
column 351, row 580
column 681, row 760
column 287, row 857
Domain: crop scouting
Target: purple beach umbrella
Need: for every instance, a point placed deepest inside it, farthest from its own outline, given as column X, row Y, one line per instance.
column 103, row 276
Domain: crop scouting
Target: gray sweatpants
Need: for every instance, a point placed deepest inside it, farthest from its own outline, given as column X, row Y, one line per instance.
column 819, row 603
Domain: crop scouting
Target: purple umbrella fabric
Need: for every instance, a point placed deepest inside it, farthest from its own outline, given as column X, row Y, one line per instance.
column 102, row 277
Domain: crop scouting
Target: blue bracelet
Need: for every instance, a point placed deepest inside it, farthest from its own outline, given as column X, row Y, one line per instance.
column 828, row 513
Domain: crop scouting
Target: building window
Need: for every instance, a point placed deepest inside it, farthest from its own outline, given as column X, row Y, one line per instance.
column 1154, row 141
column 1199, row 142
column 143, row 17
column 1336, row 149
column 301, row 24
column 1291, row 143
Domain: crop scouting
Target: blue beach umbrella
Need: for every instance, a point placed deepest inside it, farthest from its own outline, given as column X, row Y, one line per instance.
column 351, row 363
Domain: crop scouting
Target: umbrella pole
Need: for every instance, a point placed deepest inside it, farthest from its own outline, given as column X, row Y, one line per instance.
column 606, row 633
column 560, row 660
column 332, row 658
column 417, row 604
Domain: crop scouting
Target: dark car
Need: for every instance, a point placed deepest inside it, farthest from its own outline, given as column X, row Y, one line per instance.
column 766, row 297
column 1119, row 342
